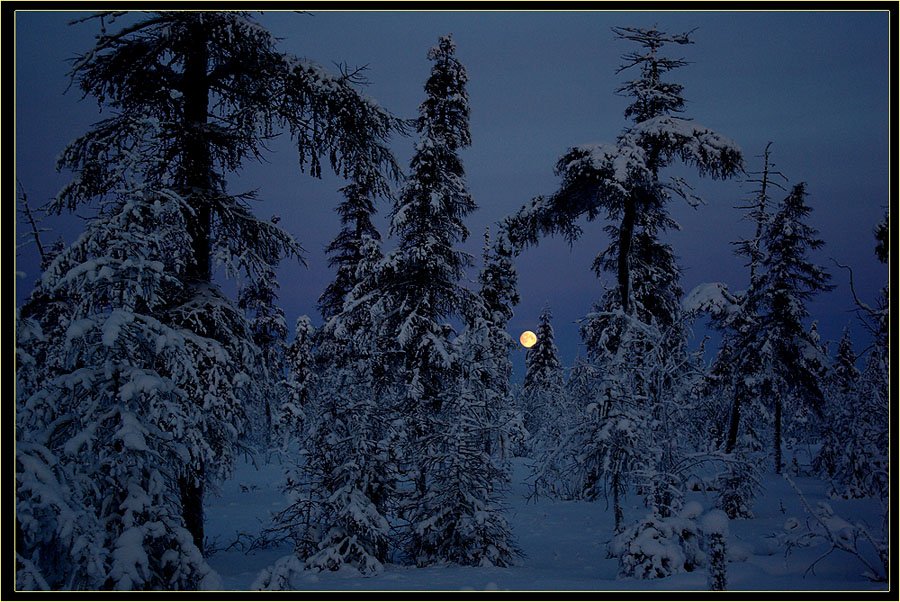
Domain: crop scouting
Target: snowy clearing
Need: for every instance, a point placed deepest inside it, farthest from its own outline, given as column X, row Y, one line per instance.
column 564, row 543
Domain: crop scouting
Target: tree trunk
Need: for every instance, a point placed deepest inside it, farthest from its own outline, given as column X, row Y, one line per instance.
column 626, row 234
column 197, row 163
column 778, row 461
column 192, row 507
column 734, row 421
column 618, row 514
column 197, row 180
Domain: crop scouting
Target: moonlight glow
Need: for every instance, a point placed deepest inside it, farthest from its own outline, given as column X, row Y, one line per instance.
column 528, row 338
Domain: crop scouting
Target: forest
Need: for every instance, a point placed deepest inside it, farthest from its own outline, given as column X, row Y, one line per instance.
column 385, row 439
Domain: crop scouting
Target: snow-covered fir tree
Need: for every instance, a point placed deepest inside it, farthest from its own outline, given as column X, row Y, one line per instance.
column 356, row 211
column 738, row 365
column 543, row 392
column 340, row 484
column 844, row 373
column 298, row 388
column 418, row 284
column 789, row 281
column 463, row 519
column 343, row 485
column 841, row 386
column 258, row 299
column 349, row 459
column 102, row 442
column 736, row 416
column 498, row 294
column 195, row 94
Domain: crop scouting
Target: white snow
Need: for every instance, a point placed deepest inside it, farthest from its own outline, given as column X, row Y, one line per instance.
column 714, row 521
column 565, row 544
column 709, row 297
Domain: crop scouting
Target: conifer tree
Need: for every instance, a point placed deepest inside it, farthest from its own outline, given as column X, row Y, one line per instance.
column 102, row 442
column 738, row 361
column 498, row 294
column 463, row 517
column 841, row 386
column 258, row 299
column 859, row 457
column 298, row 388
column 545, row 405
column 192, row 96
column 418, row 283
column 346, row 250
column 641, row 315
column 789, row 281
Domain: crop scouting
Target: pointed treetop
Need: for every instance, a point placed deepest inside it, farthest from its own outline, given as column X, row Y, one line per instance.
column 444, row 115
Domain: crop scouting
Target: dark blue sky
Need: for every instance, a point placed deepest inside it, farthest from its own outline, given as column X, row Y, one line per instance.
column 814, row 83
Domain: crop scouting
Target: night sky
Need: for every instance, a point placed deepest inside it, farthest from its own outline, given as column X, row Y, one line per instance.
column 813, row 83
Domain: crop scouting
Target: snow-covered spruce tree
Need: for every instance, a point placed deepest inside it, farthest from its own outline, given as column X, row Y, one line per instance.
column 715, row 530
column 342, row 482
column 350, row 467
column 543, row 392
column 844, row 373
column 216, row 87
column 840, row 386
column 462, row 517
column 258, row 300
column 737, row 373
column 418, row 283
column 789, row 281
column 738, row 365
column 861, row 462
column 498, row 294
column 298, row 388
column 623, row 180
column 349, row 461
column 102, row 442
column 346, row 250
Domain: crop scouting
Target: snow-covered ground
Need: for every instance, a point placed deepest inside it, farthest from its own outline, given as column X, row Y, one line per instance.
column 564, row 544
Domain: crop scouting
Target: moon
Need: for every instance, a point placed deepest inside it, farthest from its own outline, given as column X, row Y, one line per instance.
column 528, row 339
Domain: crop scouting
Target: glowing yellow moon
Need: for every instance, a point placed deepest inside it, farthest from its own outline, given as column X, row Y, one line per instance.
column 528, row 338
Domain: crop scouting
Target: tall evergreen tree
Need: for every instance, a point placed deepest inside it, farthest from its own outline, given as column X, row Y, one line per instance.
column 623, row 180
column 856, row 455
column 789, row 281
column 342, row 486
column 463, row 516
column 841, row 385
column 258, row 299
column 299, row 385
column 193, row 95
column 498, row 294
column 738, row 362
column 419, row 281
column 103, row 440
